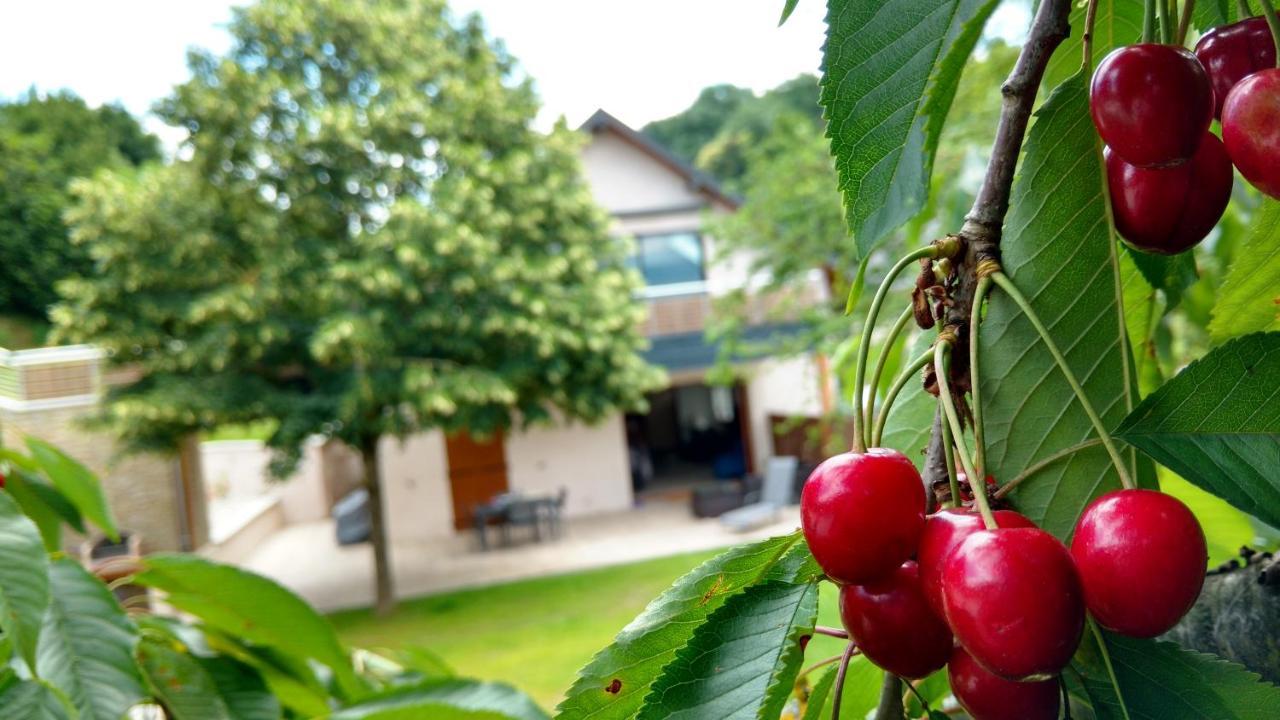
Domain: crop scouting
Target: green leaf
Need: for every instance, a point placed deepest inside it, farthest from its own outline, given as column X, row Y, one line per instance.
column 1217, row 424
column 1059, row 249
column 180, row 683
column 251, row 607
column 1161, row 681
column 1143, row 308
column 1249, row 297
column 33, row 700
column 47, row 507
column 911, row 419
column 1171, row 274
column 77, row 483
column 818, row 695
column 86, row 645
column 742, row 661
column 451, row 699
column 1118, row 23
column 861, row 691
column 891, row 68
column 1212, row 13
column 290, row 681
column 24, row 579
column 242, row 689
column 617, row 680
column 855, row 288
column 787, row 9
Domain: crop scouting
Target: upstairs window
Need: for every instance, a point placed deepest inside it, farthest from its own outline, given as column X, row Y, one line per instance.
column 670, row 258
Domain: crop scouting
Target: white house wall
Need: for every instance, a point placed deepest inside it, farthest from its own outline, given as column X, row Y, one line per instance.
column 786, row 386
column 623, row 179
column 416, row 497
column 590, row 461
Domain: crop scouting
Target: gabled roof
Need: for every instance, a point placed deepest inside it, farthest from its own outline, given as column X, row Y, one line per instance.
column 698, row 181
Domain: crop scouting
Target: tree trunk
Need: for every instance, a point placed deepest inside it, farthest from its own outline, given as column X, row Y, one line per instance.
column 384, row 592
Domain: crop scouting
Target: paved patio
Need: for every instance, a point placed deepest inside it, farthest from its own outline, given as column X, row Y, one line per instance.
column 307, row 559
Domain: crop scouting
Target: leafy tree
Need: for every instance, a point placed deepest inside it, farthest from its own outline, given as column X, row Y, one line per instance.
column 45, row 142
column 687, row 132
column 369, row 240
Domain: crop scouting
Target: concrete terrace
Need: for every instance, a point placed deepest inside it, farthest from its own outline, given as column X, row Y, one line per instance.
column 307, row 559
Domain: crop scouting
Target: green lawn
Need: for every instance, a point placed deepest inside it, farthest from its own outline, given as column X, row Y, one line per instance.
column 536, row 634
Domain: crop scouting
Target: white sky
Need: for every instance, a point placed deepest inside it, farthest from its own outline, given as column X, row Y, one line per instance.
column 639, row 60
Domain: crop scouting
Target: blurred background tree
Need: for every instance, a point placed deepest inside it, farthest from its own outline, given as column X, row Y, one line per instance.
column 45, row 141
column 369, row 239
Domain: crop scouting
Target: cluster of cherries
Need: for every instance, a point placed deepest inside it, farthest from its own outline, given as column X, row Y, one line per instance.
column 1170, row 177
column 1002, row 607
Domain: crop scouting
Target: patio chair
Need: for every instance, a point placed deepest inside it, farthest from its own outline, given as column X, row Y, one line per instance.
column 779, row 479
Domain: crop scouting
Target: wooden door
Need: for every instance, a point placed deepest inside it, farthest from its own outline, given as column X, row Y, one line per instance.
column 477, row 472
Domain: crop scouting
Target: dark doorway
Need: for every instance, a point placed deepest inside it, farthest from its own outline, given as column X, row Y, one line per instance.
column 693, row 434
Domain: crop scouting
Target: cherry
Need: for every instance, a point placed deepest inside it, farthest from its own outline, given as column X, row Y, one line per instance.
column 1251, row 129
column 1232, row 52
column 894, row 626
column 943, row 531
column 1141, row 556
column 862, row 514
column 1151, row 103
column 1013, row 600
column 1168, row 210
column 990, row 697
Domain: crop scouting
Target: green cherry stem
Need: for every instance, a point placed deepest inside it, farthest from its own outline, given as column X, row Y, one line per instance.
column 1184, row 23
column 1269, row 9
column 1013, row 292
column 949, row 455
column 1149, row 21
column 1242, row 6
column 881, row 361
column 941, row 354
column 868, row 329
column 1166, row 21
column 877, row 432
column 975, row 382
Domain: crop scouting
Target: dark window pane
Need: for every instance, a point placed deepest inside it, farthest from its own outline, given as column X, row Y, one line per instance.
column 668, row 259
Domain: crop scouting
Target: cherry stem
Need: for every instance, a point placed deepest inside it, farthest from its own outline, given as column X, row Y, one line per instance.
column 949, row 455
column 1086, row 42
column 820, row 664
column 881, row 361
column 1269, row 9
column 864, row 348
column 1013, row 292
column 975, row 378
column 916, row 691
column 839, row 686
column 1149, row 21
column 941, row 353
column 831, row 632
column 1106, row 660
column 1008, row 487
column 1242, row 6
column 1166, row 21
column 877, row 432
column 1184, row 23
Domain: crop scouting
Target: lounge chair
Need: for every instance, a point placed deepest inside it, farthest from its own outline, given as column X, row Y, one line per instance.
column 779, row 481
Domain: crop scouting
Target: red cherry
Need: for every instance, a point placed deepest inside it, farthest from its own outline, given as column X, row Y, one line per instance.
column 1014, row 602
column 1151, row 103
column 1141, row 556
column 943, row 531
column 990, row 697
column 1168, row 210
column 1232, row 52
column 862, row 514
column 893, row 625
column 1251, row 129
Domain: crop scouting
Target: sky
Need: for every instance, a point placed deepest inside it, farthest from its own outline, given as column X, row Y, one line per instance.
column 641, row 61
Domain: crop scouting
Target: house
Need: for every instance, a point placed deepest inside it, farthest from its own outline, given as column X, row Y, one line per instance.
column 693, row 431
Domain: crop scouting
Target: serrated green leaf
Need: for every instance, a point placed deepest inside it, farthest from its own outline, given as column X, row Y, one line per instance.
column 787, row 9
column 86, row 645
column 34, row 700
column 1212, row 13
column 180, row 683
column 24, row 579
column 741, row 661
column 1161, row 681
column 911, row 418
column 77, row 483
column 891, row 68
column 251, row 607
column 1059, row 249
column 1249, row 297
column 452, row 699
column 1217, row 424
column 242, row 689
column 1118, row 23
column 616, row 681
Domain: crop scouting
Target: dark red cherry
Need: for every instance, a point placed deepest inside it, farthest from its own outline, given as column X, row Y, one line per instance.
column 1151, row 103
column 1013, row 600
column 990, row 697
column 1232, row 52
column 943, row 531
column 894, row 626
column 1251, row 129
column 1141, row 556
column 862, row 514
column 1168, row 210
